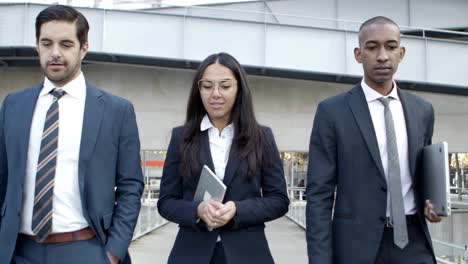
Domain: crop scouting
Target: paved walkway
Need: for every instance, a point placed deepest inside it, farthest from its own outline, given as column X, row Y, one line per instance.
column 286, row 239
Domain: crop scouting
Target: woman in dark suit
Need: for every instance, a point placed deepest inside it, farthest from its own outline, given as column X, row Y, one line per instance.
column 221, row 132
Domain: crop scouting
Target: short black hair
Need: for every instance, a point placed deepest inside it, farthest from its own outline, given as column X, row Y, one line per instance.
column 67, row 14
column 376, row 20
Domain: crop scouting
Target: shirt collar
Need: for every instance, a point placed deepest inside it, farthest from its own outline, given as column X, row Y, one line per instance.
column 372, row 95
column 75, row 88
column 206, row 124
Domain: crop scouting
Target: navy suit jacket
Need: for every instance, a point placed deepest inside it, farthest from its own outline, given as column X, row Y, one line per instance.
column 344, row 155
column 257, row 200
column 109, row 171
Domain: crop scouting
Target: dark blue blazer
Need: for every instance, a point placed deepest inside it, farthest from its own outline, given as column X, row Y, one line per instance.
column 109, row 157
column 257, row 200
column 344, row 155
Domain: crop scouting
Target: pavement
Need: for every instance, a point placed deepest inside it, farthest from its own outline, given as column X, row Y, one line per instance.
column 286, row 239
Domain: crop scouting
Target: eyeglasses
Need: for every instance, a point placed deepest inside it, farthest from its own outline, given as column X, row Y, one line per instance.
column 206, row 87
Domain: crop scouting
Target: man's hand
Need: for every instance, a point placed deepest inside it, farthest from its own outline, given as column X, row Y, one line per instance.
column 430, row 214
column 112, row 259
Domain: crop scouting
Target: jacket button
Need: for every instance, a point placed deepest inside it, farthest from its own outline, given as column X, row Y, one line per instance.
column 383, row 188
column 382, row 219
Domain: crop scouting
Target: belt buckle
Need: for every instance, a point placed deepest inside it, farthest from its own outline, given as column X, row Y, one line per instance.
column 388, row 222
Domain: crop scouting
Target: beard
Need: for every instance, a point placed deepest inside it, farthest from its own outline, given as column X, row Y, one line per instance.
column 62, row 77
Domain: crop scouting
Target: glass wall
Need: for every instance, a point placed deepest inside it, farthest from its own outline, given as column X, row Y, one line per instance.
column 294, row 164
column 152, row 162
column 295, row 171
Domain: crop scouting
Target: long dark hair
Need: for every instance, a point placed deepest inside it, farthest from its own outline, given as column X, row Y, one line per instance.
column 248, row 135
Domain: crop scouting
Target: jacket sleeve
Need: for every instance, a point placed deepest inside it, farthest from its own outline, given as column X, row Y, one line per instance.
column 430, row 128
column 274, row 201
column 3, row 158
column 129, row 186
column 321, row 182
column 171, row 203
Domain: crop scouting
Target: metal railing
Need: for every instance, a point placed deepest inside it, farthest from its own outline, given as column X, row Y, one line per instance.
column 297, row 193
column 449, row 253
column 446, row 252
column 292, row 19
column 297, row 206
column 149, row 219
column 257, row 39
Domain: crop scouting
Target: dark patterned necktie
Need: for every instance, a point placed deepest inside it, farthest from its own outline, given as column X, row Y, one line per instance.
column 45, row 174
column 400, row 234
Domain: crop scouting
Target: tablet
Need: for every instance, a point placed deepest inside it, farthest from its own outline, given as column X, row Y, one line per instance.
column 209, row 187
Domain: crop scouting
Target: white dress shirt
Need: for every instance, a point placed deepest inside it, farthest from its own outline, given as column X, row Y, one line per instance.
column 67, row 208
column 220, row 145
column 376, row 109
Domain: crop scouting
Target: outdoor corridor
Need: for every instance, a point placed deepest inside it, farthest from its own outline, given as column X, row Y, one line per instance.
column 286, row 239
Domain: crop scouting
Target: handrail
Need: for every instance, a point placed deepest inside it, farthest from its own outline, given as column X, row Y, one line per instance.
column 444, row 243
column 149, row 219
column 297, row 193
column 336, row 20
column 458, row 253
column 276, row 14
column 347, row 21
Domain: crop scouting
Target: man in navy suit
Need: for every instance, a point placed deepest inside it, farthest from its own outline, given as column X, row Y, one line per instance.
column 70, row 175
column 364, row 202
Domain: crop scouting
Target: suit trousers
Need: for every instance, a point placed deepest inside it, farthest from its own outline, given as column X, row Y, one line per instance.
column 28, row 251
column 416, row 252
column 218, row 255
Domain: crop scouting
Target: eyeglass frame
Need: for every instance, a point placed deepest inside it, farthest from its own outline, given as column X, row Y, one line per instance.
column 216, row 85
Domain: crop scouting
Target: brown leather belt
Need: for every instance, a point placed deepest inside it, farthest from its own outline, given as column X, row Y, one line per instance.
column 82, row 234
column 410, row 220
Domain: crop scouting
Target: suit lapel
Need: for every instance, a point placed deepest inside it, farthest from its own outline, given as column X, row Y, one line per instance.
column 360, row 110
column 411, row 129
column 232, row 165
column 24, row 125
column 92, row 118
column 206, row 158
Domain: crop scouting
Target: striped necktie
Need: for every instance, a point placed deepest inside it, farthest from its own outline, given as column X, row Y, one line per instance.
column 45, row 174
